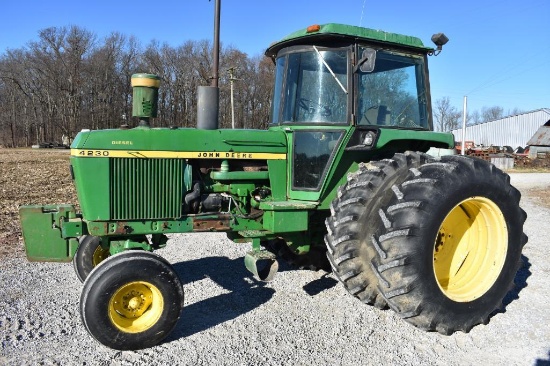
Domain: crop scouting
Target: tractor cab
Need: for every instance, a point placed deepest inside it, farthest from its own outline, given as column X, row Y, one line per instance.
column 343, row 75
column 339, row 87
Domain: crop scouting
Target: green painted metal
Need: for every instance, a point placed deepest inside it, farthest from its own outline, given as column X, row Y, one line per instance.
column 141, row 227
column 287, row 205
column 119, row 246
column 145, row 95
column 388, row 136
column 237, row 176
column 144, row 179
column 278, row 179
column 333, row 31
column 215, row 144
column 290, row 220
column 220, row 223
column 91, row 179
column 73, row 228
column 146, row 188
column 42, row 232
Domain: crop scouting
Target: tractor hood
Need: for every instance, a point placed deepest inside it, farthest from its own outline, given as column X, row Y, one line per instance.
column 187, row 143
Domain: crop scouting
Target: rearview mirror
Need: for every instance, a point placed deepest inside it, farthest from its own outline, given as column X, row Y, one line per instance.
column 367, row 61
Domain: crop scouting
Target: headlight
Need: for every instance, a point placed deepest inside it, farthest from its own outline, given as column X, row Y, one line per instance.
column 368, row 138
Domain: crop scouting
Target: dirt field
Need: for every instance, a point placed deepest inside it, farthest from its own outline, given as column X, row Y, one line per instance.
column 41, row 176
column 30, row 176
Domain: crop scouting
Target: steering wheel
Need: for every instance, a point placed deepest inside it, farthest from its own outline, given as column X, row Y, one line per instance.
column 312, row 107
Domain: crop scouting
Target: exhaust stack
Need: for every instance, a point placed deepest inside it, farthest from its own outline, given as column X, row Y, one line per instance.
column 207, row 107
column 208, row 96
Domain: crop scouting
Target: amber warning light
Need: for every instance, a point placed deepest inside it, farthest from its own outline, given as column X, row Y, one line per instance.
column 313, row 28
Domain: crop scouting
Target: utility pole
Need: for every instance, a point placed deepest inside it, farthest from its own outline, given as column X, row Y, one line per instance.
column 208, row 97
column 231, row 70
column 464, row 125
column 216, row 48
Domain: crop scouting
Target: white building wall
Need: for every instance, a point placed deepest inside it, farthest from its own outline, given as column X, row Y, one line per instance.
column 511, row 131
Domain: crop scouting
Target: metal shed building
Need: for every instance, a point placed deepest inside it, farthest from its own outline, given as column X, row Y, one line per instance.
column 511, row 131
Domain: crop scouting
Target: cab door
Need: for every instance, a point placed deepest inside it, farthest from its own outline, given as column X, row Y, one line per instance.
column 312, row 153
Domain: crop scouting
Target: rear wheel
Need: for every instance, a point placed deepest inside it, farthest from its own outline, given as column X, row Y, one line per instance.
column 132, row 301
column 349, row 238
column 88, row 255
column 449, row 240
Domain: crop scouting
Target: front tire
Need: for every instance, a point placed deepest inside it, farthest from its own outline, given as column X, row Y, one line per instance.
column 132, row 301
column 88, row 255
column 449, row 241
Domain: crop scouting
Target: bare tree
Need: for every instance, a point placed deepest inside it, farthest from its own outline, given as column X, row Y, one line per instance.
column 446, row 116
column 491, row 113
column 67, row 80
column 474, row 118
column 515, row 111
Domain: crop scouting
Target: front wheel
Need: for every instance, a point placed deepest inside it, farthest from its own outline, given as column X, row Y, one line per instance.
column 448, row 243
column 132, row 301
column 88, row 255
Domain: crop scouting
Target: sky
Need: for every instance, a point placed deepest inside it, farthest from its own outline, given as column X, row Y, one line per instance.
column 498, row 52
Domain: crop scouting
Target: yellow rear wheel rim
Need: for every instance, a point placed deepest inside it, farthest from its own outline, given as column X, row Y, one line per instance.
column 136, row 307
column 470, row 249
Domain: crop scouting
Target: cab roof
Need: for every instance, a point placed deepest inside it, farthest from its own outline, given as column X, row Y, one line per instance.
column 345, row 33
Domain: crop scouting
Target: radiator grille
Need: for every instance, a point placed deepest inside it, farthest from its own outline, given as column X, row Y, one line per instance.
column 146, row 188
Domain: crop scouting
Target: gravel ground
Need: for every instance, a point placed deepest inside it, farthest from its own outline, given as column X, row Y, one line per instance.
column 300, row 318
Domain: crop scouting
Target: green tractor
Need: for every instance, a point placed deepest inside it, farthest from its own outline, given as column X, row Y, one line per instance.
column 349, row 177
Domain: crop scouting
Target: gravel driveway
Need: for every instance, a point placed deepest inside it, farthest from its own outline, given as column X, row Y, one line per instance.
column 301, row 318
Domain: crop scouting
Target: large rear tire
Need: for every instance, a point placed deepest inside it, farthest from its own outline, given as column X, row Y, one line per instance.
column 132, row 301
column 448, row 243
column 350, row 250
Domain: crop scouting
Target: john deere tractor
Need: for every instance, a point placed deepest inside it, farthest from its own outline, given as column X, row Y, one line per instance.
column 341, row 181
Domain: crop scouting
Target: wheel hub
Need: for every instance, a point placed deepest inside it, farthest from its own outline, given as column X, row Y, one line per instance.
column 470, row 249
column 134, row 301
column 100, row 254
column 135, row 307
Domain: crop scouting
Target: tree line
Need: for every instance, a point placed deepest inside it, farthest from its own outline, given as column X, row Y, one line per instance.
column 69, row 80
column 447, row 117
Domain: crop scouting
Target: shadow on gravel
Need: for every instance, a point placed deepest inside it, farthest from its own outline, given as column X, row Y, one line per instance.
column 520, row 281
column 317, row 286
column 540, row 362
column 230, row 274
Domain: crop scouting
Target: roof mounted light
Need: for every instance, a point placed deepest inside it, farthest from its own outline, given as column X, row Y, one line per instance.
column 313, row 28
column 440, row 40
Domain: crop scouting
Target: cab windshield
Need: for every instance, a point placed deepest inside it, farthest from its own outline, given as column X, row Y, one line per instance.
column 392, row 93
column 311, row 86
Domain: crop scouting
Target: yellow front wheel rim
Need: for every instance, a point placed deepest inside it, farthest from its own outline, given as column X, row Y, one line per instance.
column 470, row 249
column 136, row 307
column 100, row 255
